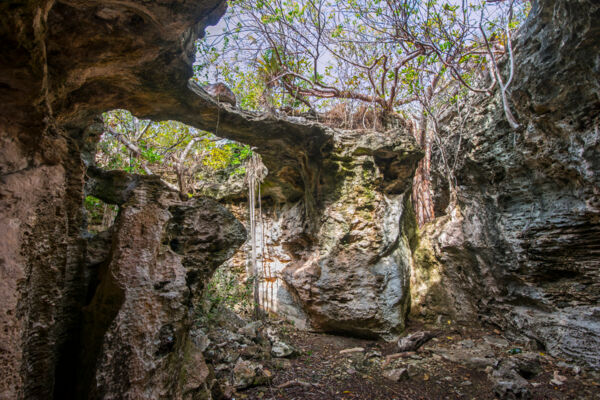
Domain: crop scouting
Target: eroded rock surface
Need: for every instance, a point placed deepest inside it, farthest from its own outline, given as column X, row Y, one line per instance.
column 41, row 252
column 352, row 274
column 522, row 248
column 62, row 64
column 338, row 259
column 136, row 337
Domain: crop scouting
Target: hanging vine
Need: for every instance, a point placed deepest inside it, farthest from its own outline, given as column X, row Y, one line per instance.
column 255, row 173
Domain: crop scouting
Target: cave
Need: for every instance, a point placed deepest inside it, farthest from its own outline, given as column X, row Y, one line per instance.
column 499, row 288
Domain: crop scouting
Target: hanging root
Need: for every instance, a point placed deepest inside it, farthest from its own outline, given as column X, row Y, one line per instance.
column 255, row 173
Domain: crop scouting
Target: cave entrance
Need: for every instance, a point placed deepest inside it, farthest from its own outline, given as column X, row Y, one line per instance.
column 195, row 163
column 190, row 160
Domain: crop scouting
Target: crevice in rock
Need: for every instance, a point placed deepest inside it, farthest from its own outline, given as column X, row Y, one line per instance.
column 111, row 315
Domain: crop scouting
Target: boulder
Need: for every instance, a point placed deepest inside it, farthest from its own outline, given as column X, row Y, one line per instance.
column 251, row 329
column 508, row 384
column 396, row 375
column 221, row 93
column 247, row 374
column 281, row 349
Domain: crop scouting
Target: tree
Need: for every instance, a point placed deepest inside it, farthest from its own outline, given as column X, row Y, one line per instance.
column 181, row 155
column 396, row 57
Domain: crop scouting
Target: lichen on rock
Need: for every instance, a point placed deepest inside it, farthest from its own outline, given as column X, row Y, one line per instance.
column 163, row 250
column 520, row 248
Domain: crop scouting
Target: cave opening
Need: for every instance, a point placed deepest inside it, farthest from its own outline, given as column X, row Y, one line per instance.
column 196, row 163
column 393, row 133
column 100, row 215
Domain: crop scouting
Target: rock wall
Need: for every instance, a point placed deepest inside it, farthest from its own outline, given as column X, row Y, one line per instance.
column 137, row 338
column 339, row 258
column 351, row 275
column 110, row 316
column 62, row 63
column 41, row 252
column 521, row 249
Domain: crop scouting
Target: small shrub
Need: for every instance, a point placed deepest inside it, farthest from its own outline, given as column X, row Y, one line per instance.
column 228, row 289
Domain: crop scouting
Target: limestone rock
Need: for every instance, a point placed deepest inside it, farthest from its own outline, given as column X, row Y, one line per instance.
column 358, row 283
column 508, row 384
column 221, row 92
column 496, row 341
column 281, row 349
column 63, row 64
column 524, row 232
column 527, row 364
column 520, row 247
column 340, row 255
column 247, row 374
column 51, row 94
column 396, row 375
column 163, row 250
column 478, row 356
column 251, row 329
column 278, row 347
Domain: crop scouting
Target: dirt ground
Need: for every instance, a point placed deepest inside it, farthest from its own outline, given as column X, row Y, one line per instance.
column 320, row 371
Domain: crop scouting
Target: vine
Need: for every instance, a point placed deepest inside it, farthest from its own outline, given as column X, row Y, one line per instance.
column 255, row 174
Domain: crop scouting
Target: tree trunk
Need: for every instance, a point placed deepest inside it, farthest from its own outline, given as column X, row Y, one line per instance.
column 423, row 203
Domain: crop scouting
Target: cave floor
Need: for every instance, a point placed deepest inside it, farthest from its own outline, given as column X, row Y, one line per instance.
column 447, row 367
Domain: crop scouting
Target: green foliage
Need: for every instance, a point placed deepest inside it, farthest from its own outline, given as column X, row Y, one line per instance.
column 285, row 53
column 94, row 208
column 160, row 147
column 226, row 290
column 151, row 155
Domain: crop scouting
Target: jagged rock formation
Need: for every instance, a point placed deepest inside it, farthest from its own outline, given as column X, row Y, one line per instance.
column 62, row 63
column 339, row 258
column 136, row 337
column 351, row 273
column 522, row 248
column 134, row 55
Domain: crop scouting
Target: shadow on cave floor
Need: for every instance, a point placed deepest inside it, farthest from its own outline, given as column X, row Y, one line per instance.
column 456, row 364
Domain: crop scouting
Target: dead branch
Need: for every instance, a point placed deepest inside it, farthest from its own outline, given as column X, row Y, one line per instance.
column 296, row 382
column 496, row 71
